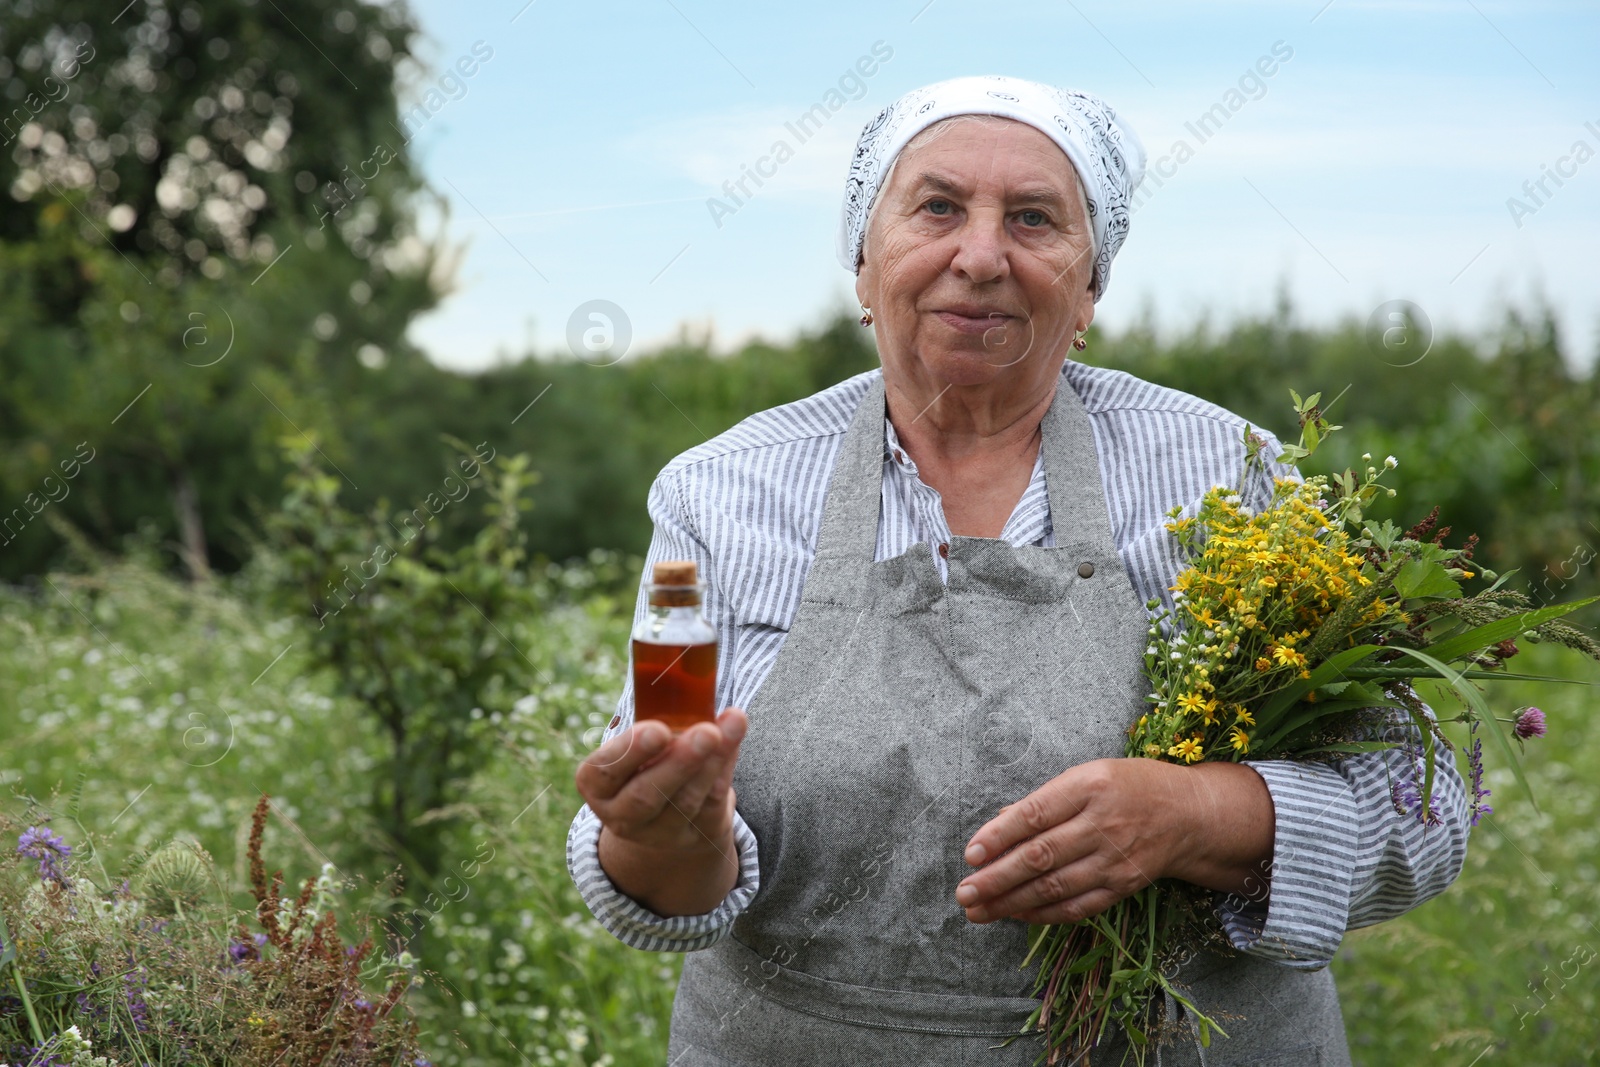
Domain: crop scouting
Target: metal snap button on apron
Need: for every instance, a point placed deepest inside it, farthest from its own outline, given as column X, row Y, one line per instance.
column 1086, row 570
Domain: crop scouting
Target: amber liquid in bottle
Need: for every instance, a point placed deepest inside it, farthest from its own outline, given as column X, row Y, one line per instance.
column 675, row 652
column 674, row 683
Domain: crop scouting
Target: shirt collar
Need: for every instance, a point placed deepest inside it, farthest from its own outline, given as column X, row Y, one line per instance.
column 1030, row 523
column 892, row 449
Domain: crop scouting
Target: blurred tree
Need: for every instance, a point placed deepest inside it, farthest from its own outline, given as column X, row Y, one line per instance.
column 431, row 641
column 211, row 240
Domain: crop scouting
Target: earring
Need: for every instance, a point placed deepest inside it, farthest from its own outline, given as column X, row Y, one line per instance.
column 866, row 318
column 1079, row 343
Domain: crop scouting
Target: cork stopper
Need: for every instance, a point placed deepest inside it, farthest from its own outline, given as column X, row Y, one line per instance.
column 675, row 584
column 675, row 572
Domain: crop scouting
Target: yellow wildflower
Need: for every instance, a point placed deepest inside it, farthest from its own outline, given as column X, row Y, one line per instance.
column 1288, row 657
column 1187, row 749
column 1239, row 739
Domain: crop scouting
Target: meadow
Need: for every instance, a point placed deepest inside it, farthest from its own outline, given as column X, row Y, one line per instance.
column 145, row 710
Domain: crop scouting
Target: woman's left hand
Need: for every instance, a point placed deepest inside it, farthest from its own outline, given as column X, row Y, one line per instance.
column 1105, row 829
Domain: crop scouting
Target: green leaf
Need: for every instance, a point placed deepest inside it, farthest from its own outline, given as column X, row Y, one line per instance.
column 1492, row 633
column 1421, row 578
column 1308, row 714
column 1384, row 535
column 1330, row 669
column 1391, row 673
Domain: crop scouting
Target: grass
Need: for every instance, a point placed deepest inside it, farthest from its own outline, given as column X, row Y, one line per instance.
column 160, row 712
column 1501, row 968
column 153, row 712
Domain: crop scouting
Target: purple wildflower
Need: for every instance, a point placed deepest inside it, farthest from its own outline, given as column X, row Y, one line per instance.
column 1530, row 723
column 1475, row 762
column 37, row 842
column 1406, row 793
column 1403, row 796
column 133, row 985
column 138, row 1010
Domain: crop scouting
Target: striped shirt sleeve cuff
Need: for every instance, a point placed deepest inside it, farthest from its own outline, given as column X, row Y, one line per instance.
column 1299, row 917
column 1409, row 861
column 637, row 926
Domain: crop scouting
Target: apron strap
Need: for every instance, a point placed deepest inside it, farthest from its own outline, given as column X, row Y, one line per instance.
column 850, row 517
column 1079, row 513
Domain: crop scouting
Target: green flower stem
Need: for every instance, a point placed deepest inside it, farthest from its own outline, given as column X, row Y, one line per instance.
column 27, row 1002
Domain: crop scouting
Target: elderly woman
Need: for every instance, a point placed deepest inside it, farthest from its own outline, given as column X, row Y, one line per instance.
column 929, row 584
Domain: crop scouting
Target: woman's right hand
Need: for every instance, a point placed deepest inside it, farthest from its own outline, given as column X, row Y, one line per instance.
column 665, row 806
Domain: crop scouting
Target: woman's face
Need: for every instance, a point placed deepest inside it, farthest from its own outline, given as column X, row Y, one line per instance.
column 978, row 258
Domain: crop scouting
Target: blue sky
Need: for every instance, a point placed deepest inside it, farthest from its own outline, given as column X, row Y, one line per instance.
column 1375, row 164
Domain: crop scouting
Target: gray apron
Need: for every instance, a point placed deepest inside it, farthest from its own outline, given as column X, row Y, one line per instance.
column 901, row 715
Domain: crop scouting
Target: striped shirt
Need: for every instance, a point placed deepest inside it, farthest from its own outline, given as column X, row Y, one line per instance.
column 747, row 507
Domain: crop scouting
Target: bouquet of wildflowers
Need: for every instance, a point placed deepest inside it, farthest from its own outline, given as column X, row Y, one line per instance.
column 1296, row 633
column 153, row 969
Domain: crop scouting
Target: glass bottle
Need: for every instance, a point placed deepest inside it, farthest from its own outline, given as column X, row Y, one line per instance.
column 674, row 651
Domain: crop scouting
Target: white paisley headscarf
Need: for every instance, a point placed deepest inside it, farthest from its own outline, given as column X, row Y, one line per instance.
column 1108, row 155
